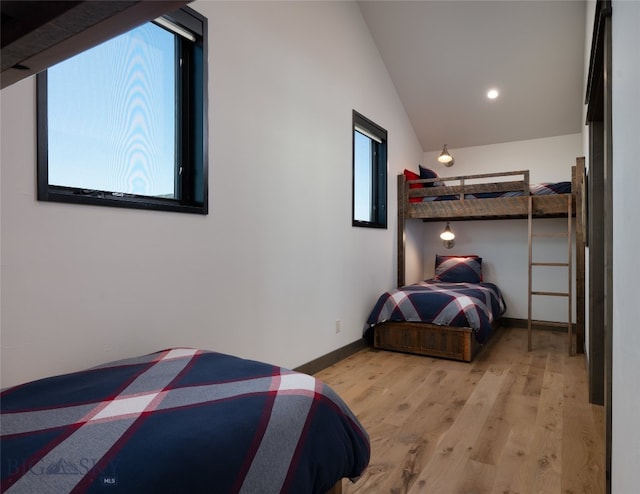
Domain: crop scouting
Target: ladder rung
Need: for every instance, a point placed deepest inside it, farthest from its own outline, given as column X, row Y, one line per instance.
column 551, row 294
column 549, row 235
column 565, row 264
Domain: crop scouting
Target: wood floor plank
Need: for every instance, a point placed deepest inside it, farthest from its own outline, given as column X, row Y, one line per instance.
column 583, row 434
column 510, row 422
column 495, row 432
column 410, row 448
column 547, row 446
column 456, row 444
column 476, row 478
column 349, row 381
column 512, row 474
column 535, row 374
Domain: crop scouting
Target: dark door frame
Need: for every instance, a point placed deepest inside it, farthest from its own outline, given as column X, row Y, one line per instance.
column 600, row 234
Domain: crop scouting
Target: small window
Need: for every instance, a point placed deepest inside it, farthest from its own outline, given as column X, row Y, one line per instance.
column 124, row 123
column 369, row 173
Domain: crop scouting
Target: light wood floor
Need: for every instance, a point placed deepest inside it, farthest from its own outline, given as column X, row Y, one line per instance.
column 509, row 422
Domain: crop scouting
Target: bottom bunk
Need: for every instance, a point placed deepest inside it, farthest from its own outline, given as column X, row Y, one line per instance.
column 450, row 316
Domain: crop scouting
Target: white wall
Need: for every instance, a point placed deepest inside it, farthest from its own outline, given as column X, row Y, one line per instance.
column 275, row 263
column 503, row 245
column 625, row 81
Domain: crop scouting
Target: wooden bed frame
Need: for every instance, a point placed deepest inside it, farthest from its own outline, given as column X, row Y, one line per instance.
column 426, row 339
column 492, row 208
column 460, row 343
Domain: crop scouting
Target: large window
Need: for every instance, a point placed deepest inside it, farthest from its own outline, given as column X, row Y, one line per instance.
column 124, row 123
column 369, row 173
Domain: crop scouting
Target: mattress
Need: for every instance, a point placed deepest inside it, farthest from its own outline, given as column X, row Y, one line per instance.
column 472, row 305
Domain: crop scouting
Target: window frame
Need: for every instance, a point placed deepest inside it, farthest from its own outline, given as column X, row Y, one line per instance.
column 192, row 124
column 378, row 173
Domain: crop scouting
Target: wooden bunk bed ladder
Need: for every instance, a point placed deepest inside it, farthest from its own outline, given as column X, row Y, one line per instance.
column 567, row 265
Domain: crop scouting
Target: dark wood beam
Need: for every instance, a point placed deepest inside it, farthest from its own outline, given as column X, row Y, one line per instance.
column 38, row 34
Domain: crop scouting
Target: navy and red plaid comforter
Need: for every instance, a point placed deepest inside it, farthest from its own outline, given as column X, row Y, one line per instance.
column 471, row 305
column 179, row 421
column 542, row 189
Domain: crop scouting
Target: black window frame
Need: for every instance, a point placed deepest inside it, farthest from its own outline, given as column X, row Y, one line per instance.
column 192, row 144
column 378, row 173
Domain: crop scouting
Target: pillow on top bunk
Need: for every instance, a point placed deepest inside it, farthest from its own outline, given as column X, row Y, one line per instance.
column 428, row 173
column 550, row 188
column 409, row 175
column 458, row 269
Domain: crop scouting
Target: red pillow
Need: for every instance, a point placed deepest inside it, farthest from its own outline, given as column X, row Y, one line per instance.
column 409, row 175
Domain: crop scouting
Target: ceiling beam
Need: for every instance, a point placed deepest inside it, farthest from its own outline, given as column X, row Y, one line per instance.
column 38, row 34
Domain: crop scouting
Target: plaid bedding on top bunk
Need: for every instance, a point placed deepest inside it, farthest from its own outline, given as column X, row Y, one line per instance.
column 541, row 189
column 474, row 305
column 179, row 420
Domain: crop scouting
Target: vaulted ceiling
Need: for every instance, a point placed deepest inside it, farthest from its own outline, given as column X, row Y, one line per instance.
column 443, row 57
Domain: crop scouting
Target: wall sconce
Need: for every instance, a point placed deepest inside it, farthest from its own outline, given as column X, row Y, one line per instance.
column 448, row 237
column 445, row 158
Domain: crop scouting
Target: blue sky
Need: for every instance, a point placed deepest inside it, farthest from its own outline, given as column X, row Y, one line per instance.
column 362, row 172
column 112, row 115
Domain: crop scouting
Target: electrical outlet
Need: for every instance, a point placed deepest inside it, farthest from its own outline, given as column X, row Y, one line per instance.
column 338, row 328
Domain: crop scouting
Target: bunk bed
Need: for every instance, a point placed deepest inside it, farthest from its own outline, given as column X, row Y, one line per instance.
column 490, row 196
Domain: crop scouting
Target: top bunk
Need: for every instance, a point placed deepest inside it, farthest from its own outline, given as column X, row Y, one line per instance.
column 488, row 196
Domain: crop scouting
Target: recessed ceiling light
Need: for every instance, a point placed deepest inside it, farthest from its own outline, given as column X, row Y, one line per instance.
column 492, row 94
